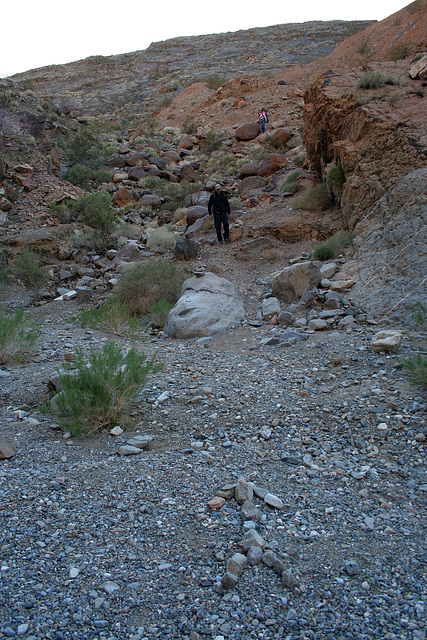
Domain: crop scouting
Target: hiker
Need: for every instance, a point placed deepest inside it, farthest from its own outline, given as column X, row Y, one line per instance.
column 263, row 119
column 220, row 207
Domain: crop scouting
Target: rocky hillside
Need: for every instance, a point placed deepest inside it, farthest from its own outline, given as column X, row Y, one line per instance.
column 138, row 83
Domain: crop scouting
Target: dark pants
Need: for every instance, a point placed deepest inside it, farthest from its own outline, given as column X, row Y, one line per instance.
column 221, row 218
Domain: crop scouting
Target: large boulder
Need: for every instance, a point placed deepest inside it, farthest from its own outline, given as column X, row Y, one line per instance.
column 208, row 305
column 186, row 249
column 247, row 170
column 252, row 182
column 271, row 164
column 247, row 131
column 293, row 281
column 279, row 137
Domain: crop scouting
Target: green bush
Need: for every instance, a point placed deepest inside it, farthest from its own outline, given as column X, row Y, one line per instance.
column 102, row 389
column 214, row 82
column 17, row 335
column 289, row 184
column 399, row 51
column 335, row 176
column 95, row 211
column 189, row 126
column 148, row 282
column 84, row 148
column 213, row 140
column 161, row 237
column 159, row 312
column 417, row 364
column 112, row 316
column 375, row 80
column 29, row 268
column 329, row 249
column 315, row 199
column 81, row 175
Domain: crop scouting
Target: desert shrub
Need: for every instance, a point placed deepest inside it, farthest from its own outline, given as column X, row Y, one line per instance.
column 112, row 316
column 150, row 281
column 180, row 213
column 18, row 334
column 299, row 159
column 335, row 176
column 4, row 267
column 213, row 140
column 29, row 268
column 315, row 199
column 103, row 388
column 375, row 80
column 95, row 211
column 81, row 175
column 289, row 184
column 214, row 82
column 84, row 148
column 414, row 6
column 329, row 249
column 416, row 365
column 151, row 182
column 161, row 237
column 399, row 51
column 189, row 126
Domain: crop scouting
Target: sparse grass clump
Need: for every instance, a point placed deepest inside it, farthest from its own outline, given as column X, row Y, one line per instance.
column 335, row 176
column 162, row 237
column 417, row 364
column 315, row 199
column 103, row 388
column 81, row 175
column 18, row 333
column 375, row 80
column 159, row 312
column 112, row 316
column 329, row 249
column 29, row 268
column 148, row 282
column 289, row 184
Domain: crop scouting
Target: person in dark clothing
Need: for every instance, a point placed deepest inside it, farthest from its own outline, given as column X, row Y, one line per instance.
column 220, row 207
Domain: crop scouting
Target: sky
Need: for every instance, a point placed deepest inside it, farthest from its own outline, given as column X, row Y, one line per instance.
column 45, row 32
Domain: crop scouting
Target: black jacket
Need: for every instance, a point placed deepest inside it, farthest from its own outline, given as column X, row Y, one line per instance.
column 218, row 203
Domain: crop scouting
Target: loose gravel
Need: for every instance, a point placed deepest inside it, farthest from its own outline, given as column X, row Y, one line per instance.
column 96, row 545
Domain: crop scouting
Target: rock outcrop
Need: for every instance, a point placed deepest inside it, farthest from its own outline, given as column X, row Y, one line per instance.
column 208, row 305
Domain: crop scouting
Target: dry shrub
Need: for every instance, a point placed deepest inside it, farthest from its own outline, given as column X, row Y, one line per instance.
column 150, row 281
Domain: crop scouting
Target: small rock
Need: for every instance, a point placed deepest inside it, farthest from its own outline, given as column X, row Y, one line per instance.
column 352, row 568
column 273, row 501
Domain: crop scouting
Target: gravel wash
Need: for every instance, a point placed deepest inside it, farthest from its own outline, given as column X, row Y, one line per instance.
column 95, row 545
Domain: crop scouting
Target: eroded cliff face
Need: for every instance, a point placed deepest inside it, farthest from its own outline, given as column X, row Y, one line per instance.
column 379, row 137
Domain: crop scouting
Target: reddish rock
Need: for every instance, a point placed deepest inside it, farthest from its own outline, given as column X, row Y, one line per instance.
column 216, row 503
column 271, row 164
column 137, row 159
column 253, row 182
column 246, row 170
column 188, row 173
column 248, row 131
column 172, row 155
column 279, row 137
column 123, row 198
column 26, row 169
column 185, row 143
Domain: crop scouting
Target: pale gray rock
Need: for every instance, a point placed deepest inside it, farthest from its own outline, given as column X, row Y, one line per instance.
column 243, row 491
column 270, row 307
column 236, row 564
column 208, row 305
column 129, row 450
column 293, row 281
column 254, row 555
column 7, row 447
column 250, row 512
column 387, row 341
column 328, row 270
column 273, row 501
column 251, row 539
